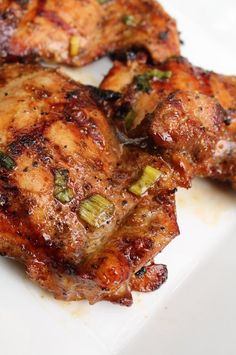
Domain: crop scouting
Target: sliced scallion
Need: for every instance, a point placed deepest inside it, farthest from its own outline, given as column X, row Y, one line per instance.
column 143, row 81
column 129, row 119
column 62, row 192
column 61, row 177
column 159, row 74
column 64, row 195
column 96, row 210
column 103, row 1
column 74, row 45
column 6, row 161
column 149, row 177
column 129, row 20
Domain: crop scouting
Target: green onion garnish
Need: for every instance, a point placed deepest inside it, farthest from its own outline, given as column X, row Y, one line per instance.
column 129, row 119
column 149, row 177
column 64, row 195
column 129, row 20
column 143, row 81
column 159, row 74
column 74, row 45
column 6, row 161
column 62, row 192
column 96, row 210
column 103, row 1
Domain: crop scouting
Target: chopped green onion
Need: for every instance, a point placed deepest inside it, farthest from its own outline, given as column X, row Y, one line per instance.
column 159, row 74
column 61, row 177
column 6, row 161
column 62, row 192
column 142, row 83
column 129, row 20
column 103, row 1
column 74, row 46
column 129, row 119
column 96, row 210
column 64, row 195
column 143, row 80
column 149, row 177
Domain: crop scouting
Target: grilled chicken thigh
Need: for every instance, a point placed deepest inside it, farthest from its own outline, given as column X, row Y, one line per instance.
column 189, row 113
column 78, row 32
column 82, row 212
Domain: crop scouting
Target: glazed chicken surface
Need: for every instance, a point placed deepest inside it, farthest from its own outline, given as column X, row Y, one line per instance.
column 88, row 176
column 69, row 206
column 79, row 32
column 189, row 113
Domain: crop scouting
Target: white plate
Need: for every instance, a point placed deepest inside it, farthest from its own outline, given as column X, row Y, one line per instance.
column 195, row 311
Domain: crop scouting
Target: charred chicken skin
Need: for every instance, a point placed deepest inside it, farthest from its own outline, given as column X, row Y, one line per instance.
column 69, row 203
column 189, row 113
column 79, row 32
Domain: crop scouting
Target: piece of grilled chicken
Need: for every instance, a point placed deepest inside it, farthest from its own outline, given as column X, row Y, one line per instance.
column 66, row 211
column 189, row 113
column 79, row 32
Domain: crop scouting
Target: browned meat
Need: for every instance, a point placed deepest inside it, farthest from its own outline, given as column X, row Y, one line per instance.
column 78, row 32
column 57, row 153
column 189, row 113
column 146, row 280
column 191, row 128
column 184, row 76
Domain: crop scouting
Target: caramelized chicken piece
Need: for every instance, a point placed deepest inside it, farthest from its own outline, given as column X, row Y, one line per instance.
column 191, row 129
column 189, row 113
column 66, row 211
column 183, row 76
column 149, row 278
column 79, row 32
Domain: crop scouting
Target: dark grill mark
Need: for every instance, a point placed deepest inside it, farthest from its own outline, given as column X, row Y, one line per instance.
column 122, row 111
column 103, row 95
column 141, row 272
column 56, row 20
column 16, row 147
